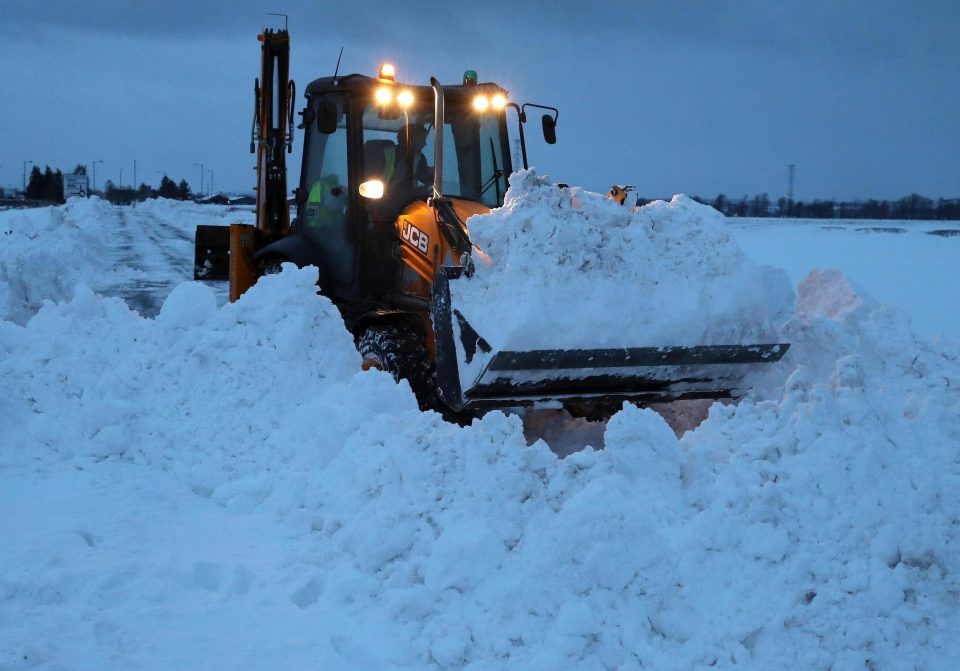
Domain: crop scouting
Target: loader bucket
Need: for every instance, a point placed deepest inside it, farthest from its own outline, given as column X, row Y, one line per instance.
column 211, row 254
column 472, row 376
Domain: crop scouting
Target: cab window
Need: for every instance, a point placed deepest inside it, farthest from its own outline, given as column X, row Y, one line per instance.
column 325, row 214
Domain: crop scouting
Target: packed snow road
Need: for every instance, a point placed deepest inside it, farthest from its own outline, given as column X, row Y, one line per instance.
column 138, row 254
column 157, row 255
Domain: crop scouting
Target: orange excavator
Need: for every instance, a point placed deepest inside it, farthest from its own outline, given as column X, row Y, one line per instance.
column 391, row 172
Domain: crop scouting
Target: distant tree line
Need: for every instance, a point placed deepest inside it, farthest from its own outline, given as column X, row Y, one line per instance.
column 168, row 189
column 46, row 185
column 913, row 206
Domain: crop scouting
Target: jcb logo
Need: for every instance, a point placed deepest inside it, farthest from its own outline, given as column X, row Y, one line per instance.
column 415, row 237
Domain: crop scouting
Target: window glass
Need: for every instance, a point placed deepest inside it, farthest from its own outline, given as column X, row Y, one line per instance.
column 398, row 149
column 477, row 141
column 325, row 213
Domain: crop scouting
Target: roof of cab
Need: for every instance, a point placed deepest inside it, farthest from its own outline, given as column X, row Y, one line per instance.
column 357, row 82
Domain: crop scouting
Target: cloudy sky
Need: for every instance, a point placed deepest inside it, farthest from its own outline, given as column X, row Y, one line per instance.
column 672, row 96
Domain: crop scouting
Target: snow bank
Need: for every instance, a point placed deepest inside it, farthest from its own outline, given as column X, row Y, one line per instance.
column 46, row 251
column 192, row 375
column 571, row 268
column 221, row 487
column 814, row 530
column 189, row 213
column 843, row 493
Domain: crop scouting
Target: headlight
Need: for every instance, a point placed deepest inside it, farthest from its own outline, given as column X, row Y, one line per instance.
column 383, row 95
column 372, row 189
column 498, row 101
column 481, row 103
column 405, row 98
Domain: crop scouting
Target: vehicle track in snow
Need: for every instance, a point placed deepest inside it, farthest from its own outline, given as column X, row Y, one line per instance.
column 148, row 257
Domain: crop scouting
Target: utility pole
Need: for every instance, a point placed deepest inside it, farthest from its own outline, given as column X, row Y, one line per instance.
column 25, row 163
column 210, row 182
column 790, row 169
column 134, row 173
column 201, row 178
column 99, row 160
column 120, row 185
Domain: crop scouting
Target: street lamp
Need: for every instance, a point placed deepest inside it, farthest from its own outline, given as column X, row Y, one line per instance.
column 201, row 178
column 25, row 163
column 99, row 160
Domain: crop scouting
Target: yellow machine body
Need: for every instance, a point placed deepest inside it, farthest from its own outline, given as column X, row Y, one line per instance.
column 423, row 249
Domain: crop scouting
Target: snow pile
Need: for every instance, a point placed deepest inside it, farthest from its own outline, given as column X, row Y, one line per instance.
column 844, row 495
column 221, row 487
column 46, row 251
column 816, row 531
column 139, row 253
column 112, row 378
column 570, row 268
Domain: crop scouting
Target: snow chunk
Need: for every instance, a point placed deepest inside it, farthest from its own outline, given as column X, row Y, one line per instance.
column 189, row 304
column 570, row 268
column 828, row 292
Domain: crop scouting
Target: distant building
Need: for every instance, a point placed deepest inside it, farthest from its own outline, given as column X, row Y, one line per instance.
column 216, row 199
column 75, row 186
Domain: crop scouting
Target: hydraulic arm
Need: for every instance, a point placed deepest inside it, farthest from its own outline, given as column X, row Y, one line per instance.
column 271, row 137
column 273, row 133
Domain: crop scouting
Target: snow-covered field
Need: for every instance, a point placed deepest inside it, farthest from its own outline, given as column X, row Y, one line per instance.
column 198, row 485
column 911, row 264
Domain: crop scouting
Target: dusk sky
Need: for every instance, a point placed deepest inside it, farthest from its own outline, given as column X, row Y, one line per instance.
column 674, row 97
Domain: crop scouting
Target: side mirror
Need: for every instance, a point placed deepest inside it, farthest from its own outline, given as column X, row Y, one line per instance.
column 549, row 129
column 327, row 118
column 308, row 115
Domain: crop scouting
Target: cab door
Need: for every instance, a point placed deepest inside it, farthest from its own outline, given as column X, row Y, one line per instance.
column 325, row 215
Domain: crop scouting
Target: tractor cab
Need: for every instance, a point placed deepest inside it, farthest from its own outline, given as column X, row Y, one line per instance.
column 372, row 159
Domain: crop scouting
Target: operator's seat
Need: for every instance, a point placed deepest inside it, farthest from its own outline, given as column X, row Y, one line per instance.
column 379, row 159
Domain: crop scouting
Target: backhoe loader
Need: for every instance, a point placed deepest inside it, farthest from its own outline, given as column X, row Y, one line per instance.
column 390, row 175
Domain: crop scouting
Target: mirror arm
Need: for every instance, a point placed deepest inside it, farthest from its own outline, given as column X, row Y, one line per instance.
column 438, row 125
column 308, row 115
column 521, row 119
column 556, row 112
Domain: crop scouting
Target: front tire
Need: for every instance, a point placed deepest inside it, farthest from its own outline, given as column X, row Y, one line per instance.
column 398, row 348
column 272, row 265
